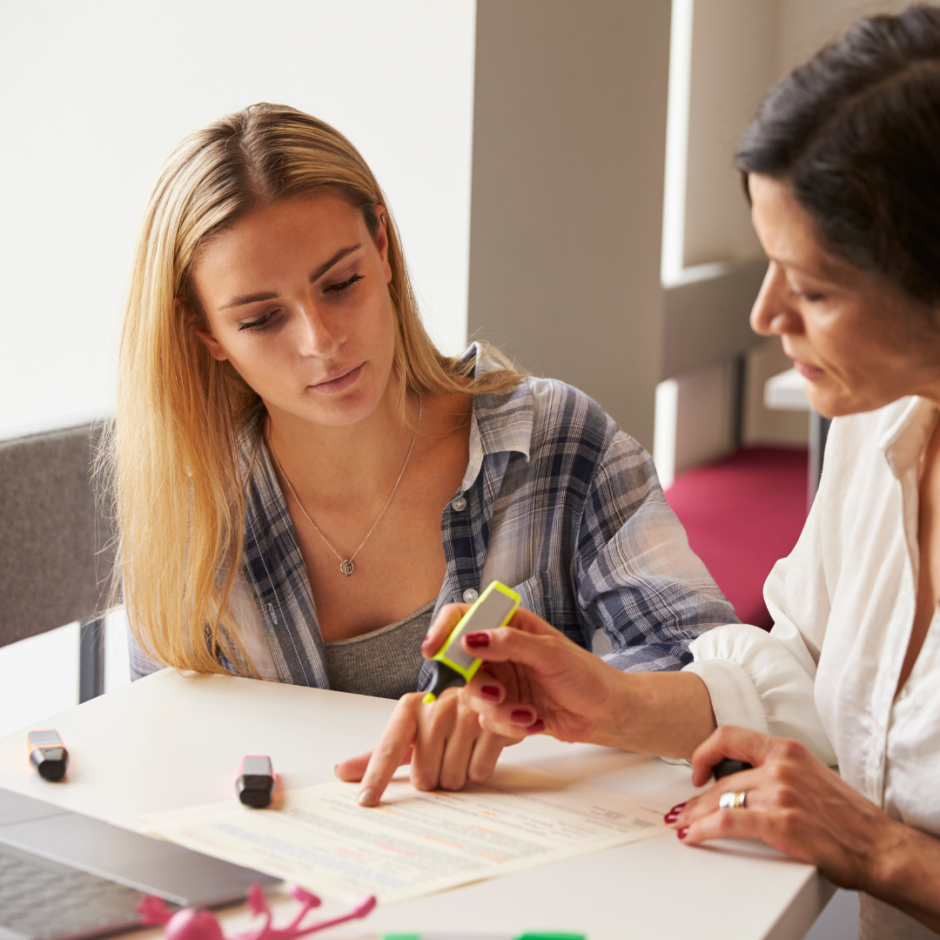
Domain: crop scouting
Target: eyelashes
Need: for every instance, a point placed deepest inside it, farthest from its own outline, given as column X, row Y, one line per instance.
column 258, row 324
column 266, row 318
column 812, row 297
column 345, row 285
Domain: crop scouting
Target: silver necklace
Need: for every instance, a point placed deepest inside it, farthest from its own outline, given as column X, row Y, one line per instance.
column 346, row 565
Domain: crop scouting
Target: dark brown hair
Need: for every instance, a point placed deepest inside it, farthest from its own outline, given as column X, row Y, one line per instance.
column 856, row 134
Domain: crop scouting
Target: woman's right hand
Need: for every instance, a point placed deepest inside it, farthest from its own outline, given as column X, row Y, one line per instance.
column 534, row 680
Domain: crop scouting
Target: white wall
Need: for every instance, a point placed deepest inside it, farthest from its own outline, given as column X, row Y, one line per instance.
column 96, row 93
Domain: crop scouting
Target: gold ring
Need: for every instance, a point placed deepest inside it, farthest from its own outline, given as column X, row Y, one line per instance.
column 733, row 799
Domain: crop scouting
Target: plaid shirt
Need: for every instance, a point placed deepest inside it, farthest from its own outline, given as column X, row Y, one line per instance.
column 556, row 502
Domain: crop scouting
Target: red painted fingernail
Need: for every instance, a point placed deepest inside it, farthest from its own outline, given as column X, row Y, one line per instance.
column 683, row 832
column 670, row 818
column 522, row 716
column 678, row 808
column 537, row 727
column 477, row 641
column 490, row 693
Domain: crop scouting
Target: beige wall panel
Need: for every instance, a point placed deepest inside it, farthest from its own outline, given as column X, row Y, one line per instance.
column 704, row 420
column 732, row 68
column 764, row 425
column 803, row 26
column 567, row 193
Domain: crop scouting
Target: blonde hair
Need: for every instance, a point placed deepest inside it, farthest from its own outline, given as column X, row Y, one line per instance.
column 178, row 484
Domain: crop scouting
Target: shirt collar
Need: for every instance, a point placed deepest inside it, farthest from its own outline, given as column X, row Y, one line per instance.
column 904, row 443
column 501, row 422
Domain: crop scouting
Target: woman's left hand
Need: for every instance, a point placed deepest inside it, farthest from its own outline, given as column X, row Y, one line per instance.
column 794, row 802
column 443, row 742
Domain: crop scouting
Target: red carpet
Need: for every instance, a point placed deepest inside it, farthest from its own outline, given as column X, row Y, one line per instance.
column 742, row 513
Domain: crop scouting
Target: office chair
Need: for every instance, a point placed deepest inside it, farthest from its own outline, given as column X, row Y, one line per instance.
column 56, row 552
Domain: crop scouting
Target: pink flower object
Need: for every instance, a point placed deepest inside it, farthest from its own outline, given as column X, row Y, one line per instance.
column 196, row 923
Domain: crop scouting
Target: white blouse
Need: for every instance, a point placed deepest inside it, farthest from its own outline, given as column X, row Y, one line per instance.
column 843, row 609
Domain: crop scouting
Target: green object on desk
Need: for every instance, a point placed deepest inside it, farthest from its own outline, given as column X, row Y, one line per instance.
column 476, row 936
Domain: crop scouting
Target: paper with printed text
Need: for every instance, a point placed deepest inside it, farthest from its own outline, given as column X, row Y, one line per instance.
column 414, row 843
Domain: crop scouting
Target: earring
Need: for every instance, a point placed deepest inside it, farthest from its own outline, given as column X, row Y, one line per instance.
column 382, row 217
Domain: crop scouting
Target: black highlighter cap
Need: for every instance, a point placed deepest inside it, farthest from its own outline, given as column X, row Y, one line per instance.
column 726, row 767
column 254, row 790
column 443, row 678
column 51, row 762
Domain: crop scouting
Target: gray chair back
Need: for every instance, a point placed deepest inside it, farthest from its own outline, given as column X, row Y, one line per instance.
column 56, row 553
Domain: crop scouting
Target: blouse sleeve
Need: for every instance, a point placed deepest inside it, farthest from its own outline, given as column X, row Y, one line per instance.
column 765, row 681
column 638, row 580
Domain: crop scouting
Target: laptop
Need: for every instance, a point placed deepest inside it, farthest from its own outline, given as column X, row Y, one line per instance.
column 67, row 876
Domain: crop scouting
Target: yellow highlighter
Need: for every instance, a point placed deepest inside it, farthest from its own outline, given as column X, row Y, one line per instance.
column 452, row 665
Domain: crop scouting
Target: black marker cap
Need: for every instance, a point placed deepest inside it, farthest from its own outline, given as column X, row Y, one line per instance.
column 443, row 678
column 726, row 767
column 255, row 791
column 51, row 762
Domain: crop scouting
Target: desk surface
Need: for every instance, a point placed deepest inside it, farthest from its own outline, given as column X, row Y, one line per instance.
column 167, row 742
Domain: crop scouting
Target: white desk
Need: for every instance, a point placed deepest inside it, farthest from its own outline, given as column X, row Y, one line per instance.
column 167, row 742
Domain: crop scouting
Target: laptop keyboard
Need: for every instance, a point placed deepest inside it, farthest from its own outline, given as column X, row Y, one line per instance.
column 42, row 900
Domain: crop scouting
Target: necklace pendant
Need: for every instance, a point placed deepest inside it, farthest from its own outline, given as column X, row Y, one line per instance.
column 347, row 567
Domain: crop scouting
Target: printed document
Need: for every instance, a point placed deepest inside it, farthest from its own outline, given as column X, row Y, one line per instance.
column 414, row 843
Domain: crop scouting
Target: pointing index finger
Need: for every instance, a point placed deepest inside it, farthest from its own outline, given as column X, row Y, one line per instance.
column 392, row 751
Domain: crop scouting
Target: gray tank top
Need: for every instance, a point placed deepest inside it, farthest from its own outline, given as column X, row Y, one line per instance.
column 384, row 662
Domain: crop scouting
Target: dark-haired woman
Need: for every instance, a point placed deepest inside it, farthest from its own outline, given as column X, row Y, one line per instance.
column 842, row 168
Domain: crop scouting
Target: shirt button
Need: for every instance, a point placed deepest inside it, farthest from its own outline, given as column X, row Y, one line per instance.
column 469, row 596
column 459, row 504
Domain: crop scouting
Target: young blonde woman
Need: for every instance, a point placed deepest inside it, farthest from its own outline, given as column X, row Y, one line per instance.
column 303, row 480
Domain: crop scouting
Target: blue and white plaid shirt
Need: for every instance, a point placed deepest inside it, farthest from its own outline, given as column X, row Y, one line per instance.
column 556, row 502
